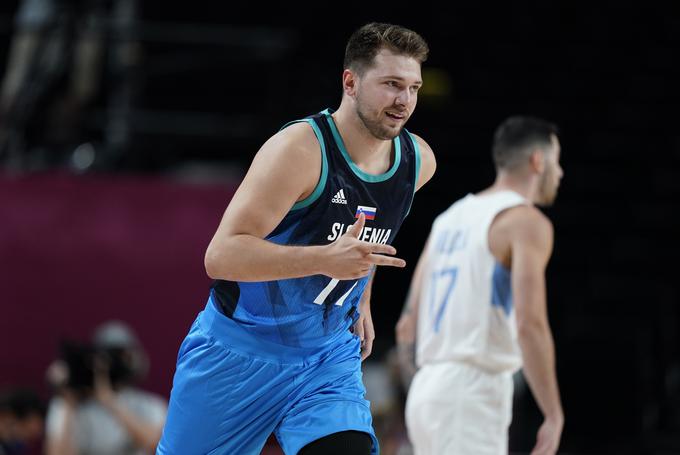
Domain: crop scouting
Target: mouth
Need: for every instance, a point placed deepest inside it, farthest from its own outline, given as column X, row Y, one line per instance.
column 399, row 116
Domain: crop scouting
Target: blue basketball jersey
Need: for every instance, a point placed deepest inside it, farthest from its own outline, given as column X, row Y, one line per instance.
column 310, row 312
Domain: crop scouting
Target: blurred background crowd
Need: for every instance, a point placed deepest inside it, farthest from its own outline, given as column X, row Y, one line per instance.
column 125, row 127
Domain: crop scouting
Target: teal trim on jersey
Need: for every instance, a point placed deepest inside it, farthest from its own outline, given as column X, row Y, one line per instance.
column 416, row 147
column 366, row 177
column 324, row 166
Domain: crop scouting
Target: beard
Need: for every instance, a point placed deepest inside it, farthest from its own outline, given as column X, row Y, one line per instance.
column 374, row 125
column 548, row 190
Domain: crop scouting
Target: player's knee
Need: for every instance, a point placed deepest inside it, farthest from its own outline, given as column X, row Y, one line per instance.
column 342, row 443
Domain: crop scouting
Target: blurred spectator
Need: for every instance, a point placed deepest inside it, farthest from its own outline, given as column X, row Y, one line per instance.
column 59, row 55
column 22, row 416
column 98, row 409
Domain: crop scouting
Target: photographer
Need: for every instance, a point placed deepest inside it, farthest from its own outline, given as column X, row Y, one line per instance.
column 97, row 410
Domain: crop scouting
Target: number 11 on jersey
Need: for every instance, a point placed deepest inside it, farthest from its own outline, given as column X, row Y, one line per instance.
column 321, row 298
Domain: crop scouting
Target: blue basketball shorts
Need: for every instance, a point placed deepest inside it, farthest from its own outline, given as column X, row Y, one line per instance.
column 232, row 390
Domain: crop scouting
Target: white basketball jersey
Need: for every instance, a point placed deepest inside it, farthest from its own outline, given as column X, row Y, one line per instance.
column 466, row 312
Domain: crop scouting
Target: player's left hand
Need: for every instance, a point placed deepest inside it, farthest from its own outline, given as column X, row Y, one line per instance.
column 363, row 328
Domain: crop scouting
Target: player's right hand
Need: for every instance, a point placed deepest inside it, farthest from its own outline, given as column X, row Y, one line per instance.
column 349, row 258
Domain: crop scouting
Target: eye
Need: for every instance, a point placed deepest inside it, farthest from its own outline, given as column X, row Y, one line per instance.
column 392, row 83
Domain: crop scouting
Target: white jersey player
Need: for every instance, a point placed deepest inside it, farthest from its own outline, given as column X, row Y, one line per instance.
column 477, row 306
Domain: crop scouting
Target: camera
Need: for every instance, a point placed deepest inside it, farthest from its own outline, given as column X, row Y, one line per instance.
column 82, row 361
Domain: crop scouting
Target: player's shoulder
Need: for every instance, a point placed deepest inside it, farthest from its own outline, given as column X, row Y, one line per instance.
column 300, row 131
column 296, row 142
column 428, row 162
column 526, row 222
column 425, row 149
column 526, row 217
column 422, row 143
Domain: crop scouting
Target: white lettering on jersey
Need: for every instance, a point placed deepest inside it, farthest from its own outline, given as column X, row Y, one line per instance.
column 336, row 231
column 339, row 198
column 367, row 234
column 450, row 241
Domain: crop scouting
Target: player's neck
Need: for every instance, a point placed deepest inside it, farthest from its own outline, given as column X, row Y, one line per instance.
column 361, row 145
column 525, row 187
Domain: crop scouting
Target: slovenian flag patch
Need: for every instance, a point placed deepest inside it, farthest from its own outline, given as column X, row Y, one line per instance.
column 368, row 211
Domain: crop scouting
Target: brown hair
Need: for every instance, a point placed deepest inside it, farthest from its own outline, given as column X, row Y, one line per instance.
column 367, row 41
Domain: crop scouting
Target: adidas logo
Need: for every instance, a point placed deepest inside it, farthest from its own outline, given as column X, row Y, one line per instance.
column 339, row 198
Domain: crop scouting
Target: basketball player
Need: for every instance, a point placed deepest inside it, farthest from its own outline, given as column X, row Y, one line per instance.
column 316, row 212
column 478, row 301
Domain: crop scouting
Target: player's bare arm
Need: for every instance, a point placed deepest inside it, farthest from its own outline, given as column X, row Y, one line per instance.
column 406, row 328
column 428, row 163
column 363, row 328
column 238, row 252
column 531, row 242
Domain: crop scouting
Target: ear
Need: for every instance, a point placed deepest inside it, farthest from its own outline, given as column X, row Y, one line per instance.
column 349, row 82
column 537, row 161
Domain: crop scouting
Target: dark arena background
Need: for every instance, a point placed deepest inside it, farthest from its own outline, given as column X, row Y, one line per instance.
column 132, row 123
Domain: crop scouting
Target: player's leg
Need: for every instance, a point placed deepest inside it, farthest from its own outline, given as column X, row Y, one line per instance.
column 486, row 411
column 431, row 423
column 221, row 400
column 330, row 406
column 455, row 408
column 342, row 443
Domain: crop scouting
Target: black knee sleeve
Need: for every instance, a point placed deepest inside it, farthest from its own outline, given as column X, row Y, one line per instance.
column 342, row 443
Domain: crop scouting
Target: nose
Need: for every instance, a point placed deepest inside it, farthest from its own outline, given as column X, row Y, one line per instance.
column 404, row 97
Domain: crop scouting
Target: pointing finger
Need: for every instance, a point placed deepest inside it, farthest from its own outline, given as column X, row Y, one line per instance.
column 383, row 249
column 379, row 259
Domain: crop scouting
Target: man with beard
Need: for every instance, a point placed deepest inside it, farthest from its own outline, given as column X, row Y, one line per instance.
column 476, row 311
column 278, row 348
